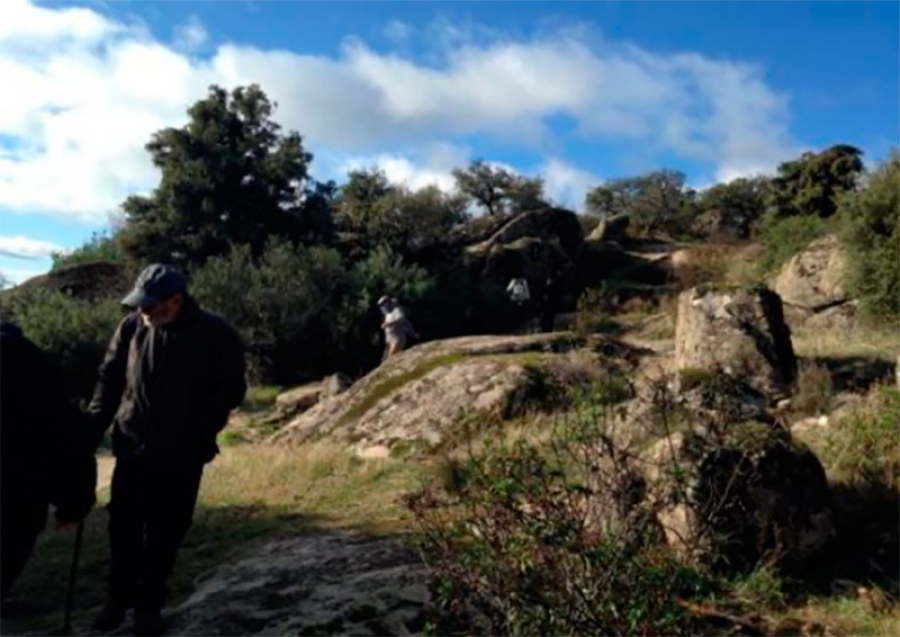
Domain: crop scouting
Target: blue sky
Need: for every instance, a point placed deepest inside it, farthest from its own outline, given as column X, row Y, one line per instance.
column 578, row 92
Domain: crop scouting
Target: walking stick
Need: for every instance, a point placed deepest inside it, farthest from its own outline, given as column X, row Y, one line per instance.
column 67, row 626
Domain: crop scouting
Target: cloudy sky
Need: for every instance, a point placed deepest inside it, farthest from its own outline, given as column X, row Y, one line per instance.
column 577, row 92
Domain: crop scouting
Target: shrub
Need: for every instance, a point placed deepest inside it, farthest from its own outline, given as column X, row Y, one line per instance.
column 273, row 302
column 102, row 246
column 75, row 331
column 862, row 446
column 870, row 229
column 813, row 388
column 518, row 547
column 785, row 237
column 593, row 310
column 355, row 320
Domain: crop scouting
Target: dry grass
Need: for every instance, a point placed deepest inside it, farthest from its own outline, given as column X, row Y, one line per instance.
column 320, row 480
column 847, row 616
column 814, row 388
column 880, row 343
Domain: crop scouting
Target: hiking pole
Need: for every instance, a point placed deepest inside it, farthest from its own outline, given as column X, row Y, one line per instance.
column 67, row 626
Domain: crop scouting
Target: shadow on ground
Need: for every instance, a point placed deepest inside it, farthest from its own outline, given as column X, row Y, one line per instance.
column 218, row 535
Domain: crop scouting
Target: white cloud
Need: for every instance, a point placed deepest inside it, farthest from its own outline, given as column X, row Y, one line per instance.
column 24, row 248
column 90, row 91
column 191, row 35
column 565, row 184
column 15, row 276
column 416, row 168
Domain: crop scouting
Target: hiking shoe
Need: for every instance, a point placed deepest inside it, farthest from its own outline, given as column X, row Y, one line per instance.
column 111, row 616
column 148, row 623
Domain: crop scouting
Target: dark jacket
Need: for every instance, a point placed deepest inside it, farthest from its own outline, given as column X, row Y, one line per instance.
column 168, row 390
column 46, row 451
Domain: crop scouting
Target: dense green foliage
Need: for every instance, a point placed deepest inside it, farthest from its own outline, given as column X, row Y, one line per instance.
column 870, row 222
column 102, row 246
column 811, row 184
column 75, row 331
column 230, row 176
column 785, row 237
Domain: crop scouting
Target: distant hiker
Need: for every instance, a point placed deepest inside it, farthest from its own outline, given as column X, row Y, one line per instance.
column 171, row 375
column 550, row 300
column 520, row 296
column 518, row 291
column 47, row 452
column 397, row 328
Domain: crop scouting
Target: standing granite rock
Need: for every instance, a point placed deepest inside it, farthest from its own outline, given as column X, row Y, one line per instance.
column 741, row 331
column 814, row 279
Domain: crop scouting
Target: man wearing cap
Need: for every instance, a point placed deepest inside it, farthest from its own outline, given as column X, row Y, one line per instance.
column 396, row 326
column 171, row 375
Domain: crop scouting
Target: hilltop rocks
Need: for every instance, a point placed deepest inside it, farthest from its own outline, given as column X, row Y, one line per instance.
column 342, row 583
column 611, row 228
column 551, row 224
column 741, row 330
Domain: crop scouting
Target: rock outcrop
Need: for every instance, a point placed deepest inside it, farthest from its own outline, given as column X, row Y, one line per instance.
column 741, row 331
column 548, row 223
column 414, row 400
column 612, row 228
column 811, row 285
column 813, row 280
column 336, row 584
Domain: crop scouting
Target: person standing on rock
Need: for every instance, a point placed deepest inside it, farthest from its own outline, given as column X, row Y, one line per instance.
column 47, row 457
column 397, row 328
column 171, row 375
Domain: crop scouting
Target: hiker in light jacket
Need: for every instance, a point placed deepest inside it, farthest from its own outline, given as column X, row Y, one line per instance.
column 397, row 328
column 171, row 375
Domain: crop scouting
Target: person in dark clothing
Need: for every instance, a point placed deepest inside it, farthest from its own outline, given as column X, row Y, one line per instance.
column 46, row 457
column 550, row 299
column 171, row 375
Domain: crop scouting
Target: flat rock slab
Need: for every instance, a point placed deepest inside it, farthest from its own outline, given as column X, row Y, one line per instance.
column 334, row 584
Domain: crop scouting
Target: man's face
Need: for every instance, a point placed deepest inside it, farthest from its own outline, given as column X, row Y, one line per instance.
column 162, row 313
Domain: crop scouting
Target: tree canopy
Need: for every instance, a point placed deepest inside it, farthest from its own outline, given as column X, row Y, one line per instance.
column 229, row 176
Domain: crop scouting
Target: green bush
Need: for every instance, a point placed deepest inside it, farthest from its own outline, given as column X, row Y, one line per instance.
column 102, row 246
column 862, row 446
column 75, row 331
column 516, row 549
column 870, row 229
column 355, row 319
column 785, row 237
column 274, row 302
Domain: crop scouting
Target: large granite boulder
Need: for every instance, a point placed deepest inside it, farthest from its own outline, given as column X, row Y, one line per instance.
column 550, row 224
column 813, row 280
column 740, row 494
column 416, row 400
column 741, row 331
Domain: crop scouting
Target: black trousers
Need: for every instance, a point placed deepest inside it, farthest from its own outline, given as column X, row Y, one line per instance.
column 150, row 511
column 23, row 516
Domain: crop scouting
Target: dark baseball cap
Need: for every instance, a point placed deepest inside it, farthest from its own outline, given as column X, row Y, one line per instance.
column 156, row 283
